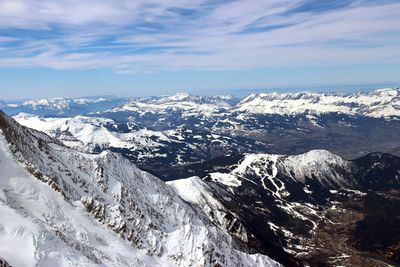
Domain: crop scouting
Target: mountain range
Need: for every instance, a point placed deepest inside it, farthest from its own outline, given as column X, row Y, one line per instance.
column 184, row 180
column 161, row 134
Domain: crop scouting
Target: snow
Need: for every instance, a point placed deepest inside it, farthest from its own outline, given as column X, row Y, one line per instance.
column 258, row 164
column 190, row 189
column 56, row 103
column 191, row 105
column 19, row 249
column 328, row 169
column 276, row 228
column 94, row 134
column 379, row 103
column 226, row 179
column 315, row 164
column 318, row 164
column 196, row 191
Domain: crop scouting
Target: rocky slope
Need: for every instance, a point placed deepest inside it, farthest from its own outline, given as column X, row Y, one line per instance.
column 63, row 207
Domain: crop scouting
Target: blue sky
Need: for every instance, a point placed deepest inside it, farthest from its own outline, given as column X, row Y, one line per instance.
column 148, row 47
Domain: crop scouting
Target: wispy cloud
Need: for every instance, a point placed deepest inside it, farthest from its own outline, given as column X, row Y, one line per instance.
column 150, row 35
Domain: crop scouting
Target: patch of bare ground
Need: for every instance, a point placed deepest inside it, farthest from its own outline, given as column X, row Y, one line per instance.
column 331, row 246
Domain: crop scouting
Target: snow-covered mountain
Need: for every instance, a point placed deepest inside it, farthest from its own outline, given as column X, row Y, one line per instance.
column 315, row 206
column 190, row 104
column 288, row 123
column 61, row 106
column 171, row 112
column 61, row 207
column 380, row 103
column 89, row 133
column 321, row 165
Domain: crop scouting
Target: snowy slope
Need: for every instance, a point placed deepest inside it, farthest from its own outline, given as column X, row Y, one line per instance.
column 196, row 191
column 40, row 228
column 70, row 208
column 379, row 103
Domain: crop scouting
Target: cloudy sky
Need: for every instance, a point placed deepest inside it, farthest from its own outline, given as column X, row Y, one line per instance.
column 125, row 47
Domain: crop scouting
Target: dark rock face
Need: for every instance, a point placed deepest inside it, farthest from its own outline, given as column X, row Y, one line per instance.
column 379, row 172
column 3, row 263
column 378, row 233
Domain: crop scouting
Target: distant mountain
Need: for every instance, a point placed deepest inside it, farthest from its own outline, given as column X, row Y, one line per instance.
column 184, row 109
column 63, row 207
column 203, row 105
column 61, row 106
column 170, row 112
column 350, row 125
column 382, row 103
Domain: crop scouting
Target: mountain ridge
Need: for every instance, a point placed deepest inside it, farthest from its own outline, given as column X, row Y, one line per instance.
column 378, row 103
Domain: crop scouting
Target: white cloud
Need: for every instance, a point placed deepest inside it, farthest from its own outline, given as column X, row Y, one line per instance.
column 176, row 34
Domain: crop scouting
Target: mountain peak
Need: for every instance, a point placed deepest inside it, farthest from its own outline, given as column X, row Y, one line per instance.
column 179, row 96
column 320, row 166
